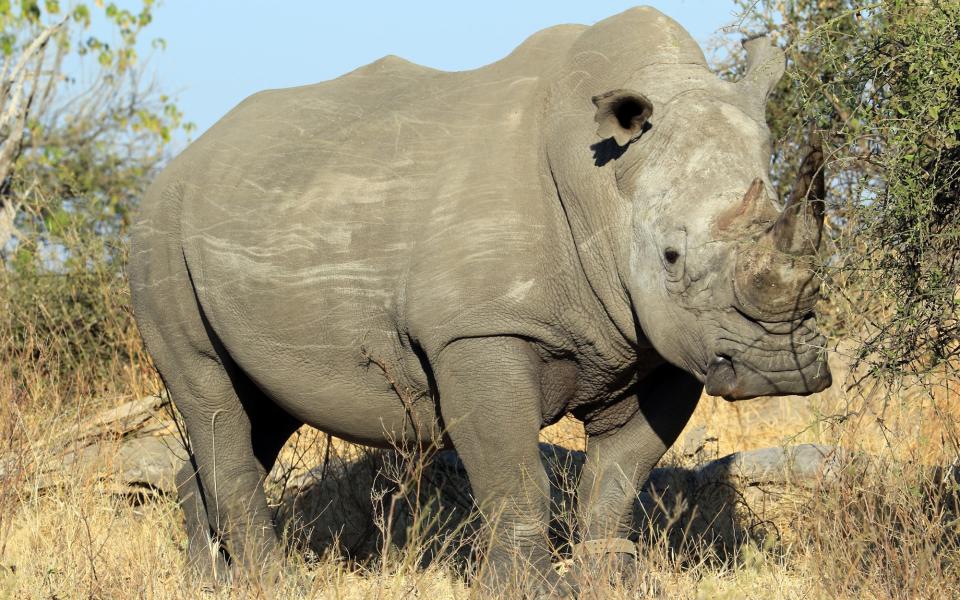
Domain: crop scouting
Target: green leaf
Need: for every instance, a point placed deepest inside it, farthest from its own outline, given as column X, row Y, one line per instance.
column 81, row 14
column 7, row 41
column 30, row 9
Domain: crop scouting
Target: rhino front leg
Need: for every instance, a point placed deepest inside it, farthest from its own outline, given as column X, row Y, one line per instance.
column 490, row 401
column 619, row 460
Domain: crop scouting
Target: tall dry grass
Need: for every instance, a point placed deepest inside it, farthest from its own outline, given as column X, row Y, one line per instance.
column 889, row 532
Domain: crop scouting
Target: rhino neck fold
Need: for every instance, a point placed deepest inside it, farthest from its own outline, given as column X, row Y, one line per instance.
column 597, row 218
column 597, row 230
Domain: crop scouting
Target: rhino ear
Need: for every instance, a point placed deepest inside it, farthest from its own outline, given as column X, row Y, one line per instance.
column 621, row 114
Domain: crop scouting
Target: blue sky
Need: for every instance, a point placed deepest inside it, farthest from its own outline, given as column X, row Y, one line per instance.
column 220, row 51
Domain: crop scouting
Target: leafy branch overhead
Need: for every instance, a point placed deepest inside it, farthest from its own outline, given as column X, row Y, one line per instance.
column 73, row 148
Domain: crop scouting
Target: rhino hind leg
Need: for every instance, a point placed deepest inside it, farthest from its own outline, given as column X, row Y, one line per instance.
column 235, row 433
column 209, row 544
column 203, row 553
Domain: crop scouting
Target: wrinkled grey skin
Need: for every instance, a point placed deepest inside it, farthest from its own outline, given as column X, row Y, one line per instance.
column 557, row 232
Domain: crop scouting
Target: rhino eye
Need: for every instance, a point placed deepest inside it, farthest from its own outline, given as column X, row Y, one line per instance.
column 673, row 245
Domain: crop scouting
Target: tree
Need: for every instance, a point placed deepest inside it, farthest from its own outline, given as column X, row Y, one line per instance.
column 74, row 158
column 879, row 83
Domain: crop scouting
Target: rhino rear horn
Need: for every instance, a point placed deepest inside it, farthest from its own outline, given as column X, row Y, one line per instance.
column 622, row 115
column 799, row 227
column 765, row 66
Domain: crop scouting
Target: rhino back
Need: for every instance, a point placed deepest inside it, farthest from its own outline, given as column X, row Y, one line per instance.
column 342, row 214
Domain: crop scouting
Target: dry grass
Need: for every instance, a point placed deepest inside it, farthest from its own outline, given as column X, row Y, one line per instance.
column 886, row 534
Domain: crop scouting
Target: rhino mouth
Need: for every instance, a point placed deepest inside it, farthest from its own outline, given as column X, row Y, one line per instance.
column 756, row 358
column 721, row 377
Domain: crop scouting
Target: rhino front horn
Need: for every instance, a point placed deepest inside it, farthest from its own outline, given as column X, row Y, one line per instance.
column 774, row 278
column 799, row 227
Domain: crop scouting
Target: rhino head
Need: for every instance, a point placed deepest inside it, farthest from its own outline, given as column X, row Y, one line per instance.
column 721, row 277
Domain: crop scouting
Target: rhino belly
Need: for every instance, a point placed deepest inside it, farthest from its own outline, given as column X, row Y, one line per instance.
column 320, row 339
column 354, row 385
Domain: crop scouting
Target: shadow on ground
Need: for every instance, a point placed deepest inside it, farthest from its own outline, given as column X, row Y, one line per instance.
column 427, row 507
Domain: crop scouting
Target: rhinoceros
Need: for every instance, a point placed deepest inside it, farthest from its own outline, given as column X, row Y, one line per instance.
column 407, row 255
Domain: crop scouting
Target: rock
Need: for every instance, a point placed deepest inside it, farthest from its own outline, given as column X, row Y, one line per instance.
column 133, row 447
